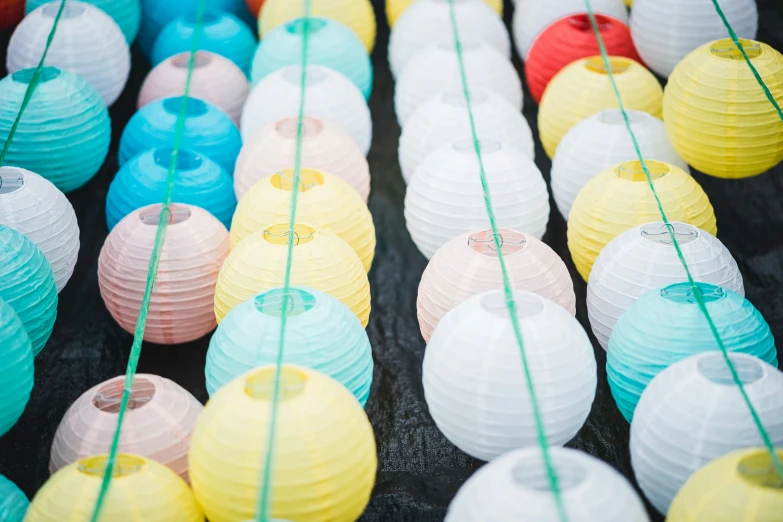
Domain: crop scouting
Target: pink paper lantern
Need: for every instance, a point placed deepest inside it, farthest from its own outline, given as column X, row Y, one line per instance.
column 468, row 265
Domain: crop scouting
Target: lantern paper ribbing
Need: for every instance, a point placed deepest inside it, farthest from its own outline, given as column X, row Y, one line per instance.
column 16, row 372
column 394, row 8
column 126, row 13
column 13, row 503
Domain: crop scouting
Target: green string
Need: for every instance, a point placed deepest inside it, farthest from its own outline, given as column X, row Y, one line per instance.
column 507, row 288
column 695, row 289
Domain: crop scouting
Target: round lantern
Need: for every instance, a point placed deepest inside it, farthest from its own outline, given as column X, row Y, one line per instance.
column 88, row 43
column 665, row 31
column 643, row 258
column 740, row 485
column 436, row 68
column 158, row 423
column 693, row 412
column 330, row 44
column 394, row 8
column 515, row 487
column 475, row 386
column 66, row 113
column 16, row 370
column 468, row 265
column 444, row 118
column 445, row 197
column 583, row 88
column 324, row 146
column 620, row 198
column 27, row 285
column 141, row 489
column 321, row 333
column 198, row 181
column 33, row 206
column 324, row 463
column 717, row 116
column 325, row 201
column 602, row 141
column 216, row 80
column 194, row 250
column 254, row 6
column 11, row 12
column 328, row 95
column 13, row 503
column 666, row 325
column 321, row 261
column 126, row 13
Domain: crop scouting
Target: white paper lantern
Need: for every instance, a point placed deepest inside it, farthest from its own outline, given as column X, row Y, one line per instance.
column 445, row 197
column 515, row 487
column 475, row 386
column 693, row 412
column 444, row 118
column 643, row 258
column 33, row 206
column 329, row 96
column 88, row 43
column 436, row 68
column 602, row 141
column 665, row 31
column 429, row 21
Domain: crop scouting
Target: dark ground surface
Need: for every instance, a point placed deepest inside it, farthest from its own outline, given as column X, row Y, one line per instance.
column 419, row 470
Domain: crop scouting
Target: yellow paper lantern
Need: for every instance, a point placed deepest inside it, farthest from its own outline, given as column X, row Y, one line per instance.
column 739, row 486
column 140, row 489
column 324, row 453
column 620, row 198
column 325, row 201
column 584, row 88
column 394, row 8
column 629, row 3
column 321, row 260
column 358, row 15
column 718, row 117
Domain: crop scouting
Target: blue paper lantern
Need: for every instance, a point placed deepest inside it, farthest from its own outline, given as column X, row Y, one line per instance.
column 13, row 503
column 331, row 44
column 65, row 133
column 16, row 372
column 321, row 333
column 198, row 181
column 127, row 14
column 666, row 325
column 208, row 130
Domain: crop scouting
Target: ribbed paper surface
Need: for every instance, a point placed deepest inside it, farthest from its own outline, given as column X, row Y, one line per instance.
column 16, row 372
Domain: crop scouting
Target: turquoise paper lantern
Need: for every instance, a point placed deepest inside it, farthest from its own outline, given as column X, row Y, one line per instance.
column 666, row 325
column 65, row 132
column 127, row 14
column 208, row 130
column 198, row 181
column 16, row 373
column 331, row 44
column 13, row 503
column 321, row 333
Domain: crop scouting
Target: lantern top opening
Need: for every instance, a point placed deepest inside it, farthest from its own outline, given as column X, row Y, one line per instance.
column 727, row 50
column 260, row 385
column 194, row 107
column 683, row 293
column 758, row 471
column 511, row 242
column 182, row 60
column 658, row 232
column 287, row 128
column 124, row 465
column 530, row 473
column 527, row 305
column 109, row 395
column 457, row 98
column 581, row 22
column 713, row 367
column 297, row 26
column 314, row 76
column 25, row 76
column 271, row 302
column 71, row 10
column 177, row 214
column 467, row 146
column 615, row 116
column 211, row 16
column 308, row 180
column 596, row 64
column 11, row 180
column 186, row 159
column 633, row 171
column 278, row 234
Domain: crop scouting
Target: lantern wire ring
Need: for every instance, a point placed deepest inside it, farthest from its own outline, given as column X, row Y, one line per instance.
column 492, row 244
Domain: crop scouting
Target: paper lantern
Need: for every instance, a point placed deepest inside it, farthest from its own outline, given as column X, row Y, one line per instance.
column 328, row 95
column 718, row 117
column 602, row 141
column 324, row 463
column 468, row 265
column 445, row 117
column 325, row 201
column 216, row 80
column 515, row 487
column 692, row 413
column 11, row 12
column 643, row 258
column 584, row 88
column 436, row 68
column 325, row 146
column 13, row 503
column 666, row 325
column 740, row 485
column 88, row 43
column 394, row 8
column 194, row 250
column 321, row 261
column 198, row 181
column 27, row 285
column 158, row 423
column 330, row 44
column 321, row 333
column 126, row 13
column 66, row 113
column 254, row 6
column 16, row 370
column 141, row 489
column 445, row 197
column 620, row 198
column 33, row 206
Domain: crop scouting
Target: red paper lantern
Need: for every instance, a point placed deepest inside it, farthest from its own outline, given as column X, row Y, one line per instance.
column 254, row 6
column 11, row 12
column 569, row 39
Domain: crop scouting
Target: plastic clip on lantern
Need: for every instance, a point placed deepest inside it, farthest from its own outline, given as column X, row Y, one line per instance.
column 16, row 372
column 126, row 13
column 394, row 8
column 13, row 503
column 718, row 117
